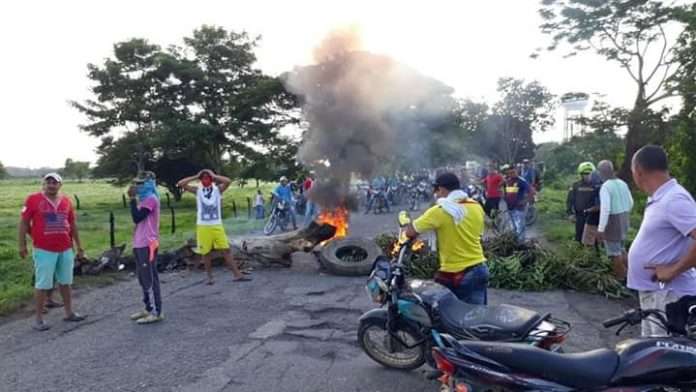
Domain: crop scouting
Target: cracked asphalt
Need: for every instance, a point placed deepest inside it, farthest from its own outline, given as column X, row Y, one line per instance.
column 287, row 330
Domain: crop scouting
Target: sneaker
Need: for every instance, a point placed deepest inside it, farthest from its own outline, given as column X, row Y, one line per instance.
column 139, row 315
column 40, row 325
column 151, row 318
column 75, row 317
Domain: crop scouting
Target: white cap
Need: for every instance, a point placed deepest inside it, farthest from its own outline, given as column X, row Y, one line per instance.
column 55, row 176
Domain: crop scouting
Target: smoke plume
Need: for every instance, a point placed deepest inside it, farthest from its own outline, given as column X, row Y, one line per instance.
column 358, row 108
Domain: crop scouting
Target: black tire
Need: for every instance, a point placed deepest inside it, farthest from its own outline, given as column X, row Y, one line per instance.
column 383, row 357
column 270, row 225
column 366, row 251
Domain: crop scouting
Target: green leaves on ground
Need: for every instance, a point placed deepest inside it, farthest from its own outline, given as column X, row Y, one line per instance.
column 528, row 266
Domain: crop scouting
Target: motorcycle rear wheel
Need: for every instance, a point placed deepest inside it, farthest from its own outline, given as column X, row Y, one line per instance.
column 373, row 336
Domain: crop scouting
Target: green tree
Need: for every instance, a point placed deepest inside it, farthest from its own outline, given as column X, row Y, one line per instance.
column 202, row 102
column 3, row 172
column 683, row 144
column 632, row 34
column 506, row 133
column 75, row 169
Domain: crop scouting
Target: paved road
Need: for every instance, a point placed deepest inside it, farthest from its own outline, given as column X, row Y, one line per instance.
column 288, row 330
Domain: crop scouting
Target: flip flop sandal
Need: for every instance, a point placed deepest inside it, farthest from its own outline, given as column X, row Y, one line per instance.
column 242, row 279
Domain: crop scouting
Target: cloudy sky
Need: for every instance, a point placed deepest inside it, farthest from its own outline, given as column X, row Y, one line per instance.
column 467, row 44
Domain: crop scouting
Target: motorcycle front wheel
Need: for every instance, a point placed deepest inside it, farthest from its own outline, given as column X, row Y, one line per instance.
column 270, row 225
column 374, row 340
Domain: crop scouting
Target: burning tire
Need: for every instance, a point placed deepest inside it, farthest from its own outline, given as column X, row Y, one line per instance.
column 349, row 256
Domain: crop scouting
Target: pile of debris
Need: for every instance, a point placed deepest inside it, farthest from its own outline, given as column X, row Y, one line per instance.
column 258, row 251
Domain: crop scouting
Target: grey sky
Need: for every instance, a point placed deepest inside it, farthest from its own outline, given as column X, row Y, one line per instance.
column 466, row 44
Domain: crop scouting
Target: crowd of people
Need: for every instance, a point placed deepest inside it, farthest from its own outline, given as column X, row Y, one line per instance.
column 659, row 264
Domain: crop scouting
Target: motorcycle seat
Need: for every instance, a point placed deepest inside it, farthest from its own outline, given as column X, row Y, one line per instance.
column 590, row 369
column 502, row 322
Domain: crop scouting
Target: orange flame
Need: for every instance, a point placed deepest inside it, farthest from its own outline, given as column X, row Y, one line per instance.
column 337, row 218
column 417, row 246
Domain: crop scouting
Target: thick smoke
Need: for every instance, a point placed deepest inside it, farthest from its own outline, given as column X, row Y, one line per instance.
column 359, row 110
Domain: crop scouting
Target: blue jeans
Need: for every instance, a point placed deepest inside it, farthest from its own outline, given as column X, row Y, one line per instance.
column 473, row 288
column 519, row 221
column 310, row 213
column 260, row 212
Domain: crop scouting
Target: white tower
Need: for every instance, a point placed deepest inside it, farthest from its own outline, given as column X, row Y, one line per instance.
column 574, row 105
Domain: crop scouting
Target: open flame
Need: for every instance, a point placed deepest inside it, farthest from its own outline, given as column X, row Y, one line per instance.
column 337, row 218
column 417, row 246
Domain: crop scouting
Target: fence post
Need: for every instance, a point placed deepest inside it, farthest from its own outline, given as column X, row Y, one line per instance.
column 112, row 229
column 173, row 219
column 234, row 208
column 169, row 204
column 124, row 200
column 249, row 207
column 77, row 201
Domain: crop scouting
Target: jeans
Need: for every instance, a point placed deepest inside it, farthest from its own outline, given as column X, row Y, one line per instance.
column 310, row 213
column 260, row 212
column 519, row 222
column 473, row 288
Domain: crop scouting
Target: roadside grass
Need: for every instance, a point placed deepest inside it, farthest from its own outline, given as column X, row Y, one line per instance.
column 97, row 199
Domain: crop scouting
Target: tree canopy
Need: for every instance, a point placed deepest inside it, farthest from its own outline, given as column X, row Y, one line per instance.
column 202, row 104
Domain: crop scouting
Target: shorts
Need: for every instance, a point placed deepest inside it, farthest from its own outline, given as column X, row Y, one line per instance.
column 52, row 267
column 589, row 235
column 614, row 248
column 209, row 238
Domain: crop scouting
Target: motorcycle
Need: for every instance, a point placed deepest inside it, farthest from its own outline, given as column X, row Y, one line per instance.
column 279, row 217
column 378, row 202
column 413, row 199
column 645, row 364
column 400, row 333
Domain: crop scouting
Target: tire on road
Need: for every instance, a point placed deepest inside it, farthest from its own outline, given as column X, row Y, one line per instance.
column 364, row 252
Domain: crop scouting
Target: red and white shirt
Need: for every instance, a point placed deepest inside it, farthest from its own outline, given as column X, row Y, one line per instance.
column 51, row 223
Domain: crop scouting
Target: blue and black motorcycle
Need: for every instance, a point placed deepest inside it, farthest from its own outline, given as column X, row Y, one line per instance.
column 399, row 333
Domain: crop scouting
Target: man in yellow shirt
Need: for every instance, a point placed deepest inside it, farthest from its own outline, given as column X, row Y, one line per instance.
column 458, row 223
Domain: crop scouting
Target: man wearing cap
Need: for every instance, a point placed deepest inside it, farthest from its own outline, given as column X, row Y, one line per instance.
column 516, row 194
column 210, row 233
column 284, row 192
column 458, row 223
column 145, row 212
column 48, row 217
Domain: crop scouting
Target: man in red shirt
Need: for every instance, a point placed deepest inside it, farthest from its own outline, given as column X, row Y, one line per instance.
column 48, row 217
column 493, row 183
column 311, row 209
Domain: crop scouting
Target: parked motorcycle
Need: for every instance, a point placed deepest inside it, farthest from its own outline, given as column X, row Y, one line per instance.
column 645, row 364
column 399, row 333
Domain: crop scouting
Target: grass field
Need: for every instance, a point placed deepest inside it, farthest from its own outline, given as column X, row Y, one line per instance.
column 97, row 200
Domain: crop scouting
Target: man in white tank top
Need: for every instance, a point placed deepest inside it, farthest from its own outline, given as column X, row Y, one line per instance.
column 210, row 232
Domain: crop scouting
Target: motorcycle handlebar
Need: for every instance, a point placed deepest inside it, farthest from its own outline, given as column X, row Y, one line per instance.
column 614, row 321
